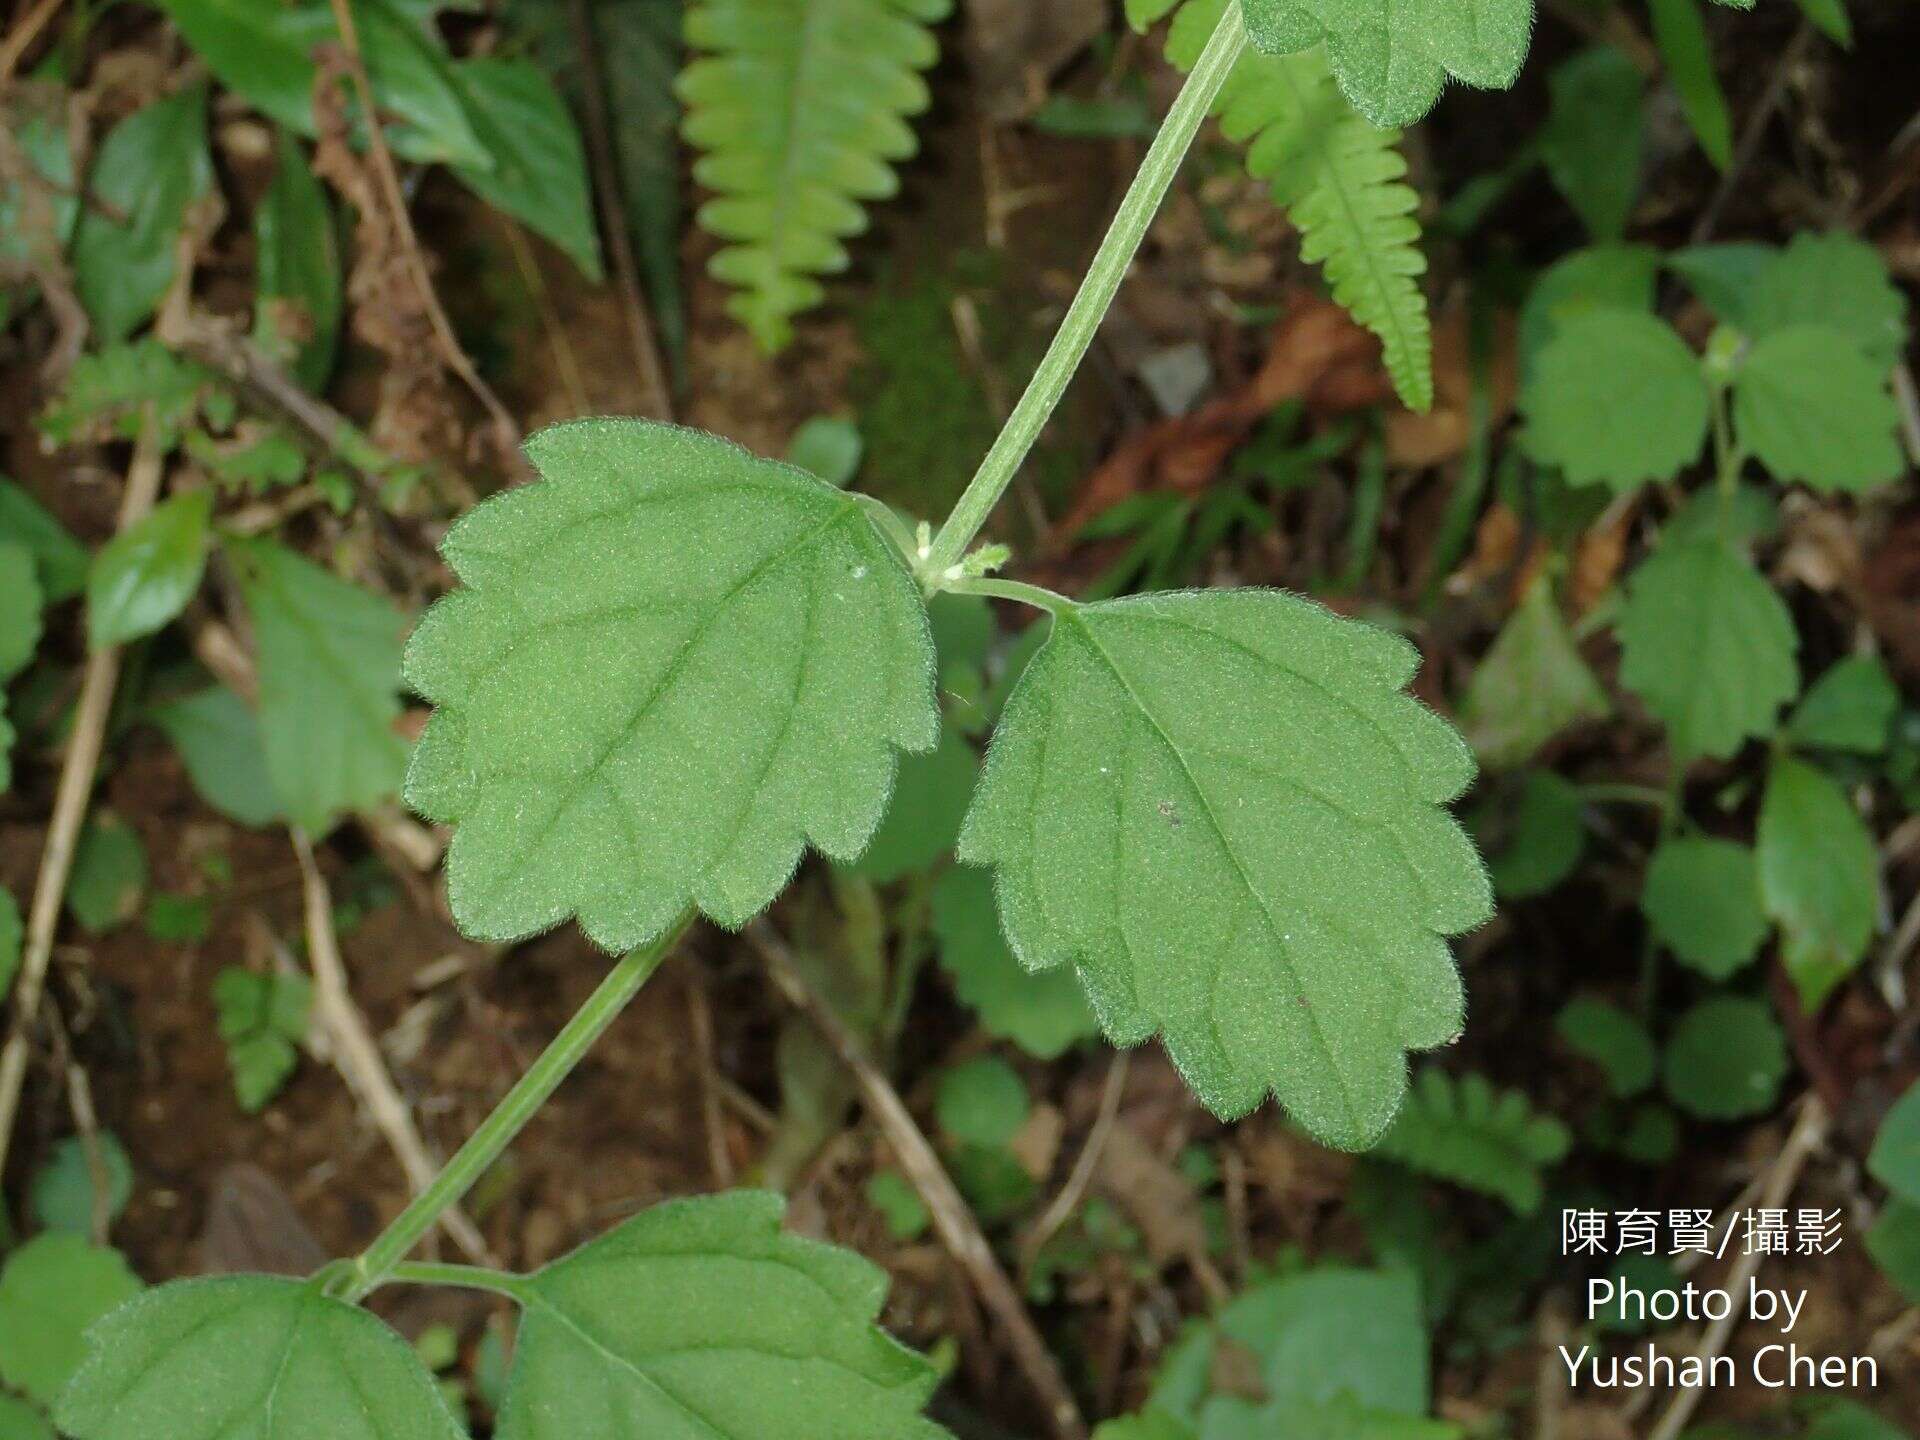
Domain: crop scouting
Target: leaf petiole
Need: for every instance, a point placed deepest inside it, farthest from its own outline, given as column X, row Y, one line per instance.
column 461, row 1277
column 938, row 569
column 1036, row 596
column 380, row 1260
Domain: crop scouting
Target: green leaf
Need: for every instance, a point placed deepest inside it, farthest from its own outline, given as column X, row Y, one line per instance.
column 538, row 172
column 147, row 573
column 1542, row 835
column 11, row 933
column 264, row 54
column 207, row 1359
column 1837, row 281
column 899, row 1204
column 1680, row 31
column 1220, row 808
column 924, row 815
column 1830, row 16
column 62, row 1191
column 1894, row 1243
column 178, row 919
column 1468, row 1132
column 1045, row 1014
column 21, row 601
column 1726, row 1059
column 218, row 737
column 792, row 177
column 1591, row 141
column 829, row 447
column 114, row 393
column 1615, row 398
column 298, row 270
column 51, row 1289
column 1531, row 685
column 109, row 874
column 329, row 677
column 1724, row 276
column 59, row 560
column 1851, row 707
column 733, row 687
column 150, row 169
column 1895, row 1158
column 1393, row 59
column 1819, row 876
column 1613, row 1040
column 982, row 1102
column 1336, row 1334
column 1231, row 1418
column 1709, row 645
column 1702, row 898
column 1600, row 277
column 263, row 1020
column 20, row 1421
column 1812, row 408
column 1149, row 1424
column 702, row 1320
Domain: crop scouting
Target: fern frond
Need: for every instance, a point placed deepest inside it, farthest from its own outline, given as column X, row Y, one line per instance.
column 1468, row 1132
column 799, row 109
column 1339, row 178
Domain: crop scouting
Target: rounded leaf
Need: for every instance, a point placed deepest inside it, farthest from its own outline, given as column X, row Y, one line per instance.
column 1726, row 1059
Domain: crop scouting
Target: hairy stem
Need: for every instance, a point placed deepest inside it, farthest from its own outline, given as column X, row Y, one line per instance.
column 380, row 1260
column 1089, row 308
column 460, row 1277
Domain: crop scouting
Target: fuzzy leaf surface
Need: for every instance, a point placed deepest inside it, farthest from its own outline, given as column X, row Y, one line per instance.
column 703, row 1320
column 1836, row 280
column 1813, row 408
column 672, row 665
column 1045, row 1014
column 1615, row 398
column 1221, row 809
column 253, row 1357
column 1709, row 645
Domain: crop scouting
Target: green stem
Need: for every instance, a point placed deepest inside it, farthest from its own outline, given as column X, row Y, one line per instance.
column 459, row 1277
column 511, row 1115
column 1089, row 308
column 1034, row 595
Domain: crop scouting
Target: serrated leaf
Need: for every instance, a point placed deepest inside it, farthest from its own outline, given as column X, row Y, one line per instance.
column 538, row 167
column 1393, row 58
column 150, row 169
column 1591, row 140
column 262, row 1019
column 1702, row 898
column 329, row 684
column 1600, row 277
column 218, row 737
column 1045, row 1013
column 208, row 1359
column 1220, row 808
column 1468, row 1132
column 146, row 574
column 1613, row 1040
column 1615, row 398
column 21, row 601
column 1819, row 876
column 1851, row 707
column 1531, row 684
column 702, row 1320
column 59, row 560
column 1726, row 1059
column 51, row 1289
column 713, row 657
column 1709, row 645
column 298, row 265
column 1812, row 408
column 1834, row 280
column 1895, row 1158
column 120, row 391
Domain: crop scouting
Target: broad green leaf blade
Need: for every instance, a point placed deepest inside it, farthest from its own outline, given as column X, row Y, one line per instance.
column 982, row 1102
column 1724, row 276
column 151, row 167
column 1045, row 1014
column 1702, row 898
column 109, row 874
column 1591, row 141
column 21, row 601
column 1851, row 707
column 1222, row 811
column 1834, row 280
column 1709, row 645
column 51, row 1289
column 146, row 574
column 1600, row 277
column 1894, row 1243
column 329, row 682
column 1726, row 1059
column 218, row 737
column 301, row 288
column 1476, row 1136
column 538, row 172
column 262, row 1018
column 12, row 931
column 1819, row 876
column 1531, row 685
column 273, row 1359
column 673, row 665
column 1832, row 19
column 924, row 815
column 1680, row 30
column 1336, row 1334
column 702, row 1320
column 1895, row 1158
column 1613, row 1040
column 59, row 560
column 1615, row 398
column 20, row 1421
column 62, row 1194
column 1541, row 835
column 1812, row 408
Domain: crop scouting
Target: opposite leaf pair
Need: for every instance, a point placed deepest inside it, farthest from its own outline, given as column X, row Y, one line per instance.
column 674, row 665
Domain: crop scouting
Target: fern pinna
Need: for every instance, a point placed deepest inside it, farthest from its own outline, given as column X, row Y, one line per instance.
column 1339, row 177
column 799, row 109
